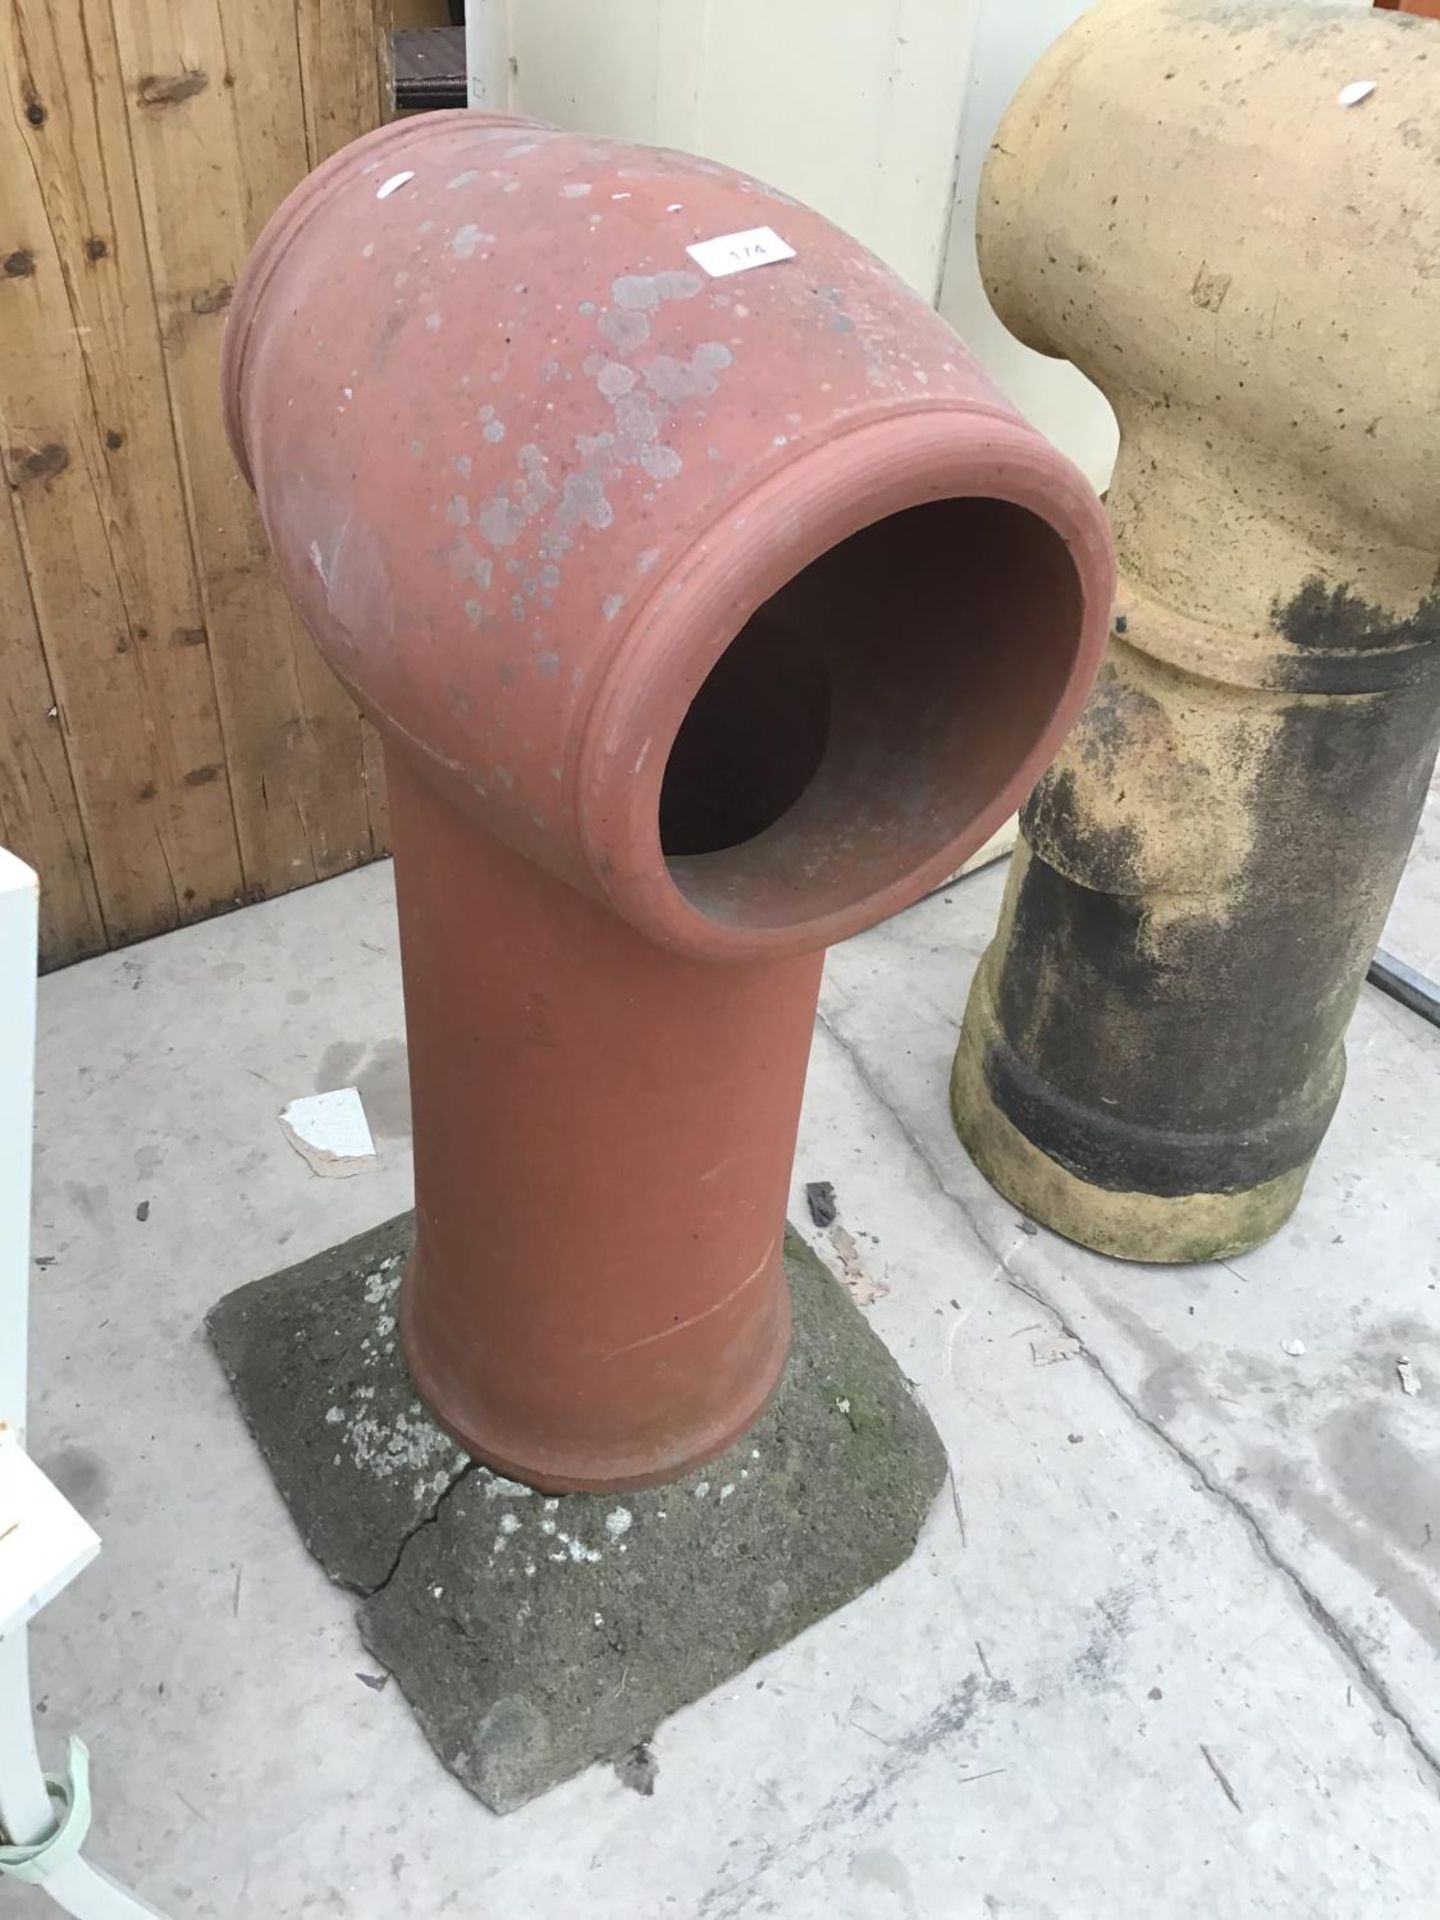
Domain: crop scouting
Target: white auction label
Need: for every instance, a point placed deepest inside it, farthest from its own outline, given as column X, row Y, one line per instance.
column 737, row 252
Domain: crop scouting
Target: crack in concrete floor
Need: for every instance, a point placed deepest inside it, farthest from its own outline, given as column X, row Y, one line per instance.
column 368, row 1592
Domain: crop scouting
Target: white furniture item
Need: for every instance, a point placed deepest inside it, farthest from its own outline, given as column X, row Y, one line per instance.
column 43, row 1541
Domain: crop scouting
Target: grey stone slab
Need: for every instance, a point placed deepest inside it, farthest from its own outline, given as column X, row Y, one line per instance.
column 312, row 1355
column 533, row 1635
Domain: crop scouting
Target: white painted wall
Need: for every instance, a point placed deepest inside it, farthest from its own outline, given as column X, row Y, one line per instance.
column 1009, row 38
column 851, row 105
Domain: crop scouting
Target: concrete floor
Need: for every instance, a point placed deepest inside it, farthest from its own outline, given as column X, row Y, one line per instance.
column 1178, row 1659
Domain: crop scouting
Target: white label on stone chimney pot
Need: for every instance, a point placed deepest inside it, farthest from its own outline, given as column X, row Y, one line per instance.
column 738, row 252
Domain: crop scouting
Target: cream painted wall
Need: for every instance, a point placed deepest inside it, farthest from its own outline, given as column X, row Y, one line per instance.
column 851, row 105
column 1008, row 40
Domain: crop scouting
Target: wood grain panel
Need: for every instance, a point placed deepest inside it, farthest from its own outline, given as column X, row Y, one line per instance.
column 345, row 79
column 170, row 740
column 343, row 47
column 90, row 460
column 217, row 123
column 39, row 814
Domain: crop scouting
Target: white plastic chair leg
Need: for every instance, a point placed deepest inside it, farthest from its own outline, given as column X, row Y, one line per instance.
column 31, row 1817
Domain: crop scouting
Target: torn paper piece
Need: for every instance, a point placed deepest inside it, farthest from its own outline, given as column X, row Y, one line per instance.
column 1407, row 1376
column 863, row 1290
column 1061, row 1346
column 331, row 1131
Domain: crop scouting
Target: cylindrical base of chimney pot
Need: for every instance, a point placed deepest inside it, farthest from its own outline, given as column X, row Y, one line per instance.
column 603, row 1140
column 1124, row 1222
